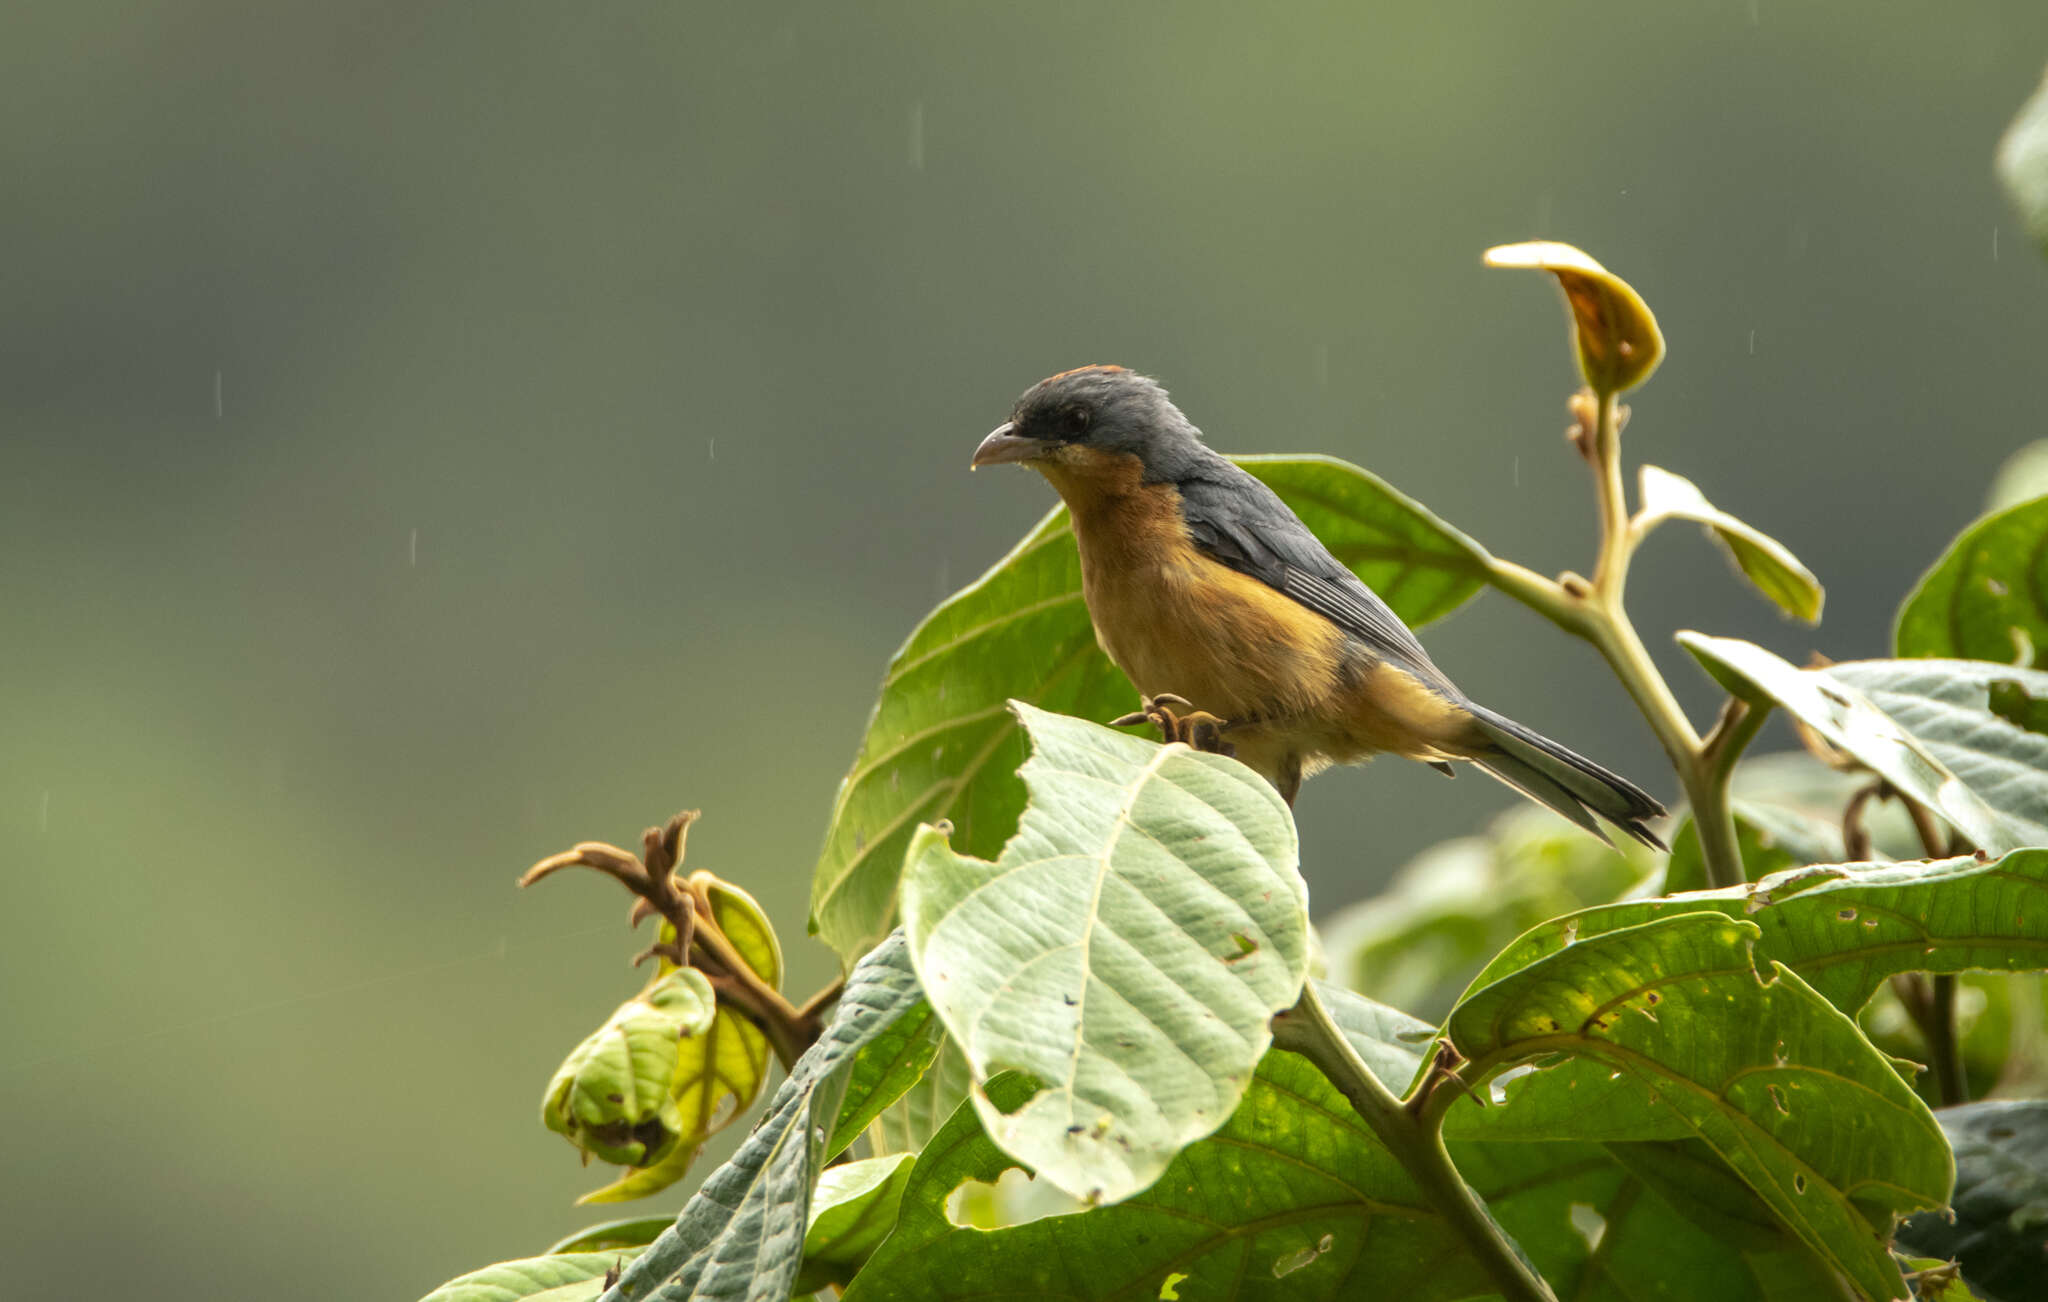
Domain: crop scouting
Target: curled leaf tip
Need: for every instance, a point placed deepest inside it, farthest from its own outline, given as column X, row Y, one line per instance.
column 1613, row 330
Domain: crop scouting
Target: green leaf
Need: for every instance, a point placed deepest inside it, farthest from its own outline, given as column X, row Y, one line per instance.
column 1613, row 332
column 1452, row 907
column 575, row 1277
column 1847, row 720
column 612, row 1095
column 1845, row 928
column 720, row 1072
column 908, row 1124
column 1987, row 597
column 1619, row 1222
column 1388, row 1041
column 741, row 1235
column 1293, row 1200
column 633, row 1232
column 941, row 743
column 1127, row 950
column 852, row 1211
column 2023, row 164
column 1762, row 559
column 1777, row 1081
column 1978, row 720
column 2000, row 1229
column 885, row 1071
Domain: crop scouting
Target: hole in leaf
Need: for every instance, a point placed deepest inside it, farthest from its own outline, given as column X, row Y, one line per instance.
column 1590, row 1224
column 1293, row 1261
column 1799, row 1182
column 1246, row 947
column 997, row 1069
column 1169, row 1288
column 1497, row 1088
column 1847, row 915
column 1011, row 1199
column 1777, row 1099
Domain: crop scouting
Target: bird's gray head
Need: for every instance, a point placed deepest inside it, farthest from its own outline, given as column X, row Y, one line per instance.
column 1093, row 415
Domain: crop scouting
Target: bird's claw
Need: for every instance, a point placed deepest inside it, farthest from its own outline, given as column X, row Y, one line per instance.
column 1197, row 728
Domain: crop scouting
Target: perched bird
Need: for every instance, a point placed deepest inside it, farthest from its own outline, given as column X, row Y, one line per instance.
column 1238, row 627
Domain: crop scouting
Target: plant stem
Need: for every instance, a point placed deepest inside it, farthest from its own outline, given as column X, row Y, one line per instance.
column 1415, row 1141
column 1950, row 1082
column 1596, row 612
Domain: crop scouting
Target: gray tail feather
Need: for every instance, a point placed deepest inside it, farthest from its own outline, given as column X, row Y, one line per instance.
column 1571, row 784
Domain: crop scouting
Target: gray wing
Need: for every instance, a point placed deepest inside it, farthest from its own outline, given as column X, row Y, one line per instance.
column 1235, row 519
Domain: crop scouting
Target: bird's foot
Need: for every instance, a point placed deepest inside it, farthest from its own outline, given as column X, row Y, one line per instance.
column 1178, row 720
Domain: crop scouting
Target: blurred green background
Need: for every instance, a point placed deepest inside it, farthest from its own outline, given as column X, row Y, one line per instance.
column 432, row 435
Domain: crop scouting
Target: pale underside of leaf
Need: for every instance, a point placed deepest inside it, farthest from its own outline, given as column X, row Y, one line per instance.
column 1760, row 558
column 1126, row 950
column 1850, row 722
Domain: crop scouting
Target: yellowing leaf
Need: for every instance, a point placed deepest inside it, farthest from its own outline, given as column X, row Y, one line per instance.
column 1612, row 328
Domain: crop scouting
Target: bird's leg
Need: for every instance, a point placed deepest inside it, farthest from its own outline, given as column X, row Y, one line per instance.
column 1197, row 728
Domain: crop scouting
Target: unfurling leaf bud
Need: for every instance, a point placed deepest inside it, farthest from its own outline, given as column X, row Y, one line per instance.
column 1615, row 335
column 614, row 1095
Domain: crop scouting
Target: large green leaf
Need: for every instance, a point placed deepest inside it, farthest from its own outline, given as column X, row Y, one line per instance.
column 885, row 1071
column 1963, row 711
column 852, row 1211
column 1127, row 950
column 1848, row 720
column 908, row 1123
column 570, row 1277
column 1293, row 1200
column 1451, row 908
column 1760, row 558
column 1987, row 597
column 741, row 1235
column 1777, row 1081
column 2000, row 1226
column 1621, row 1222
column 1844, row 928
column 2023, row 164
column 941, row 743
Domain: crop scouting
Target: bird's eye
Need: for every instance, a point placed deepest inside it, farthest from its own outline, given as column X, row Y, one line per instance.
column 1074, row 422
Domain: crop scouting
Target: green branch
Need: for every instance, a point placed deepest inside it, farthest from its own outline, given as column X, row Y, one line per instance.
column 1415, row 1138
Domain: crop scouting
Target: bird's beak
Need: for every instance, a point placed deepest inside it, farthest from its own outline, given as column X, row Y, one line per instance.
column 1002, row 447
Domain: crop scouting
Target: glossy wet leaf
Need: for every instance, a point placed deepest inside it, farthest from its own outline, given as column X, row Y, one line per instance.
column 2000, row 1230
column 1626, row 1221
column 1293, row 1200
column 852, row 1211
column 741, row 1235
column 941, row 742
column 1987, row 597
column 1849, row 721
column 613, row 1096
column 1980, row 720
column 1762, row 559
column 1613, row 332
column 574, row 1277
column 1127, row 949
column 1777, row 1081
column 2023, row 165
